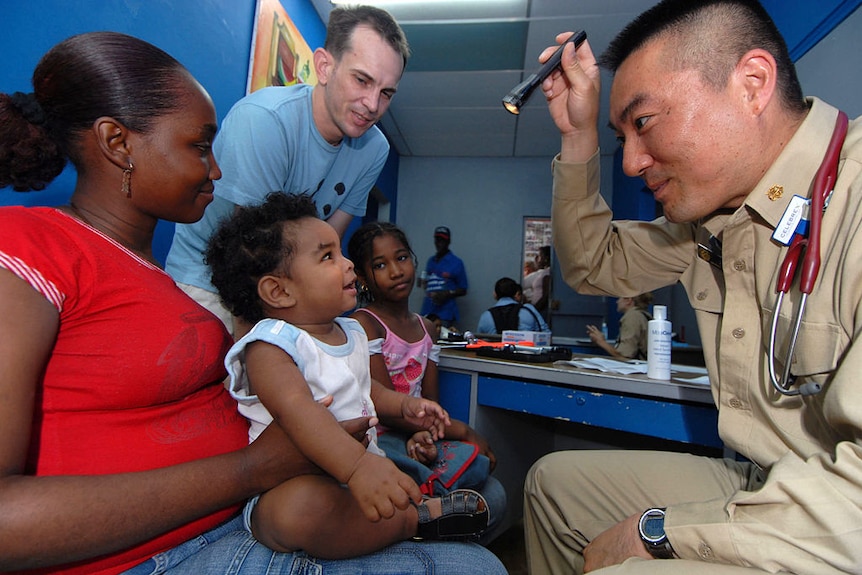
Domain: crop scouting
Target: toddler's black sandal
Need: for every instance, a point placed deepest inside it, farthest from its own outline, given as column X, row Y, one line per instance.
column 464, row 517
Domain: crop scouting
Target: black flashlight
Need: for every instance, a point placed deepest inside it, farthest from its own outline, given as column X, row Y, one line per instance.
column 519, row 94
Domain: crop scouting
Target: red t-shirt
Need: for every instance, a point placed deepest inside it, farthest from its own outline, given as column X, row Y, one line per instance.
column 135, row 378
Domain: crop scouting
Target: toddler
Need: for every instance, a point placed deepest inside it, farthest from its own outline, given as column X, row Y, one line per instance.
column 279, row 267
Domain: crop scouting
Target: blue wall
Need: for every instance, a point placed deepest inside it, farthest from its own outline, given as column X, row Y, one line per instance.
column 803, row 23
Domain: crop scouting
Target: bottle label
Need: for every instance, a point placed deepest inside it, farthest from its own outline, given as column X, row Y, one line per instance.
column 658, row 353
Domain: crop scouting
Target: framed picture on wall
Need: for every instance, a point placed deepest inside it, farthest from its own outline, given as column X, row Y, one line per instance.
column 280, row 56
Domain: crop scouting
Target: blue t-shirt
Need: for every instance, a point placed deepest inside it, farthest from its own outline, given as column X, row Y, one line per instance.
column 447, row 273
column 268, row 142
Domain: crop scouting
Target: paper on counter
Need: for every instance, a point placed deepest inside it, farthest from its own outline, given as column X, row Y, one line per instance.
column 609, row 365
column 696, row 375
column 635, row 366
column 701, row 380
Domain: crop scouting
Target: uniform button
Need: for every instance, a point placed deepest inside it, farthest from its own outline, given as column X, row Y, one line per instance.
column 701, row 295
column 704, row 551
column 735, row 403
column 738, row 333
column 739, row 265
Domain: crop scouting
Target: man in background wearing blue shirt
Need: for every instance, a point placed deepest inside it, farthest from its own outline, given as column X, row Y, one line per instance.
column 445, row 279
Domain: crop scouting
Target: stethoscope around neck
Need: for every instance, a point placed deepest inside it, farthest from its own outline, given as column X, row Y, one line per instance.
column 806, row 250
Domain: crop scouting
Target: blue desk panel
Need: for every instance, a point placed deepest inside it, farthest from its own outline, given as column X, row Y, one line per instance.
column 455, row 394
column 681, row 422
column 672, row 410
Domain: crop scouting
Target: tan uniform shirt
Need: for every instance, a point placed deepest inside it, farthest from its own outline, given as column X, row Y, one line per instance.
column 634, row 326
column 807, row 515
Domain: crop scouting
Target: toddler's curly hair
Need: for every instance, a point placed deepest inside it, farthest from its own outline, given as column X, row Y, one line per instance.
column 253, row 243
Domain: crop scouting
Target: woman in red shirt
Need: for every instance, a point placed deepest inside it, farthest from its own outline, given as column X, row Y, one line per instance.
column 120, row 442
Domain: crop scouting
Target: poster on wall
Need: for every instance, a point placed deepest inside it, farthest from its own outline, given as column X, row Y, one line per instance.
column 280, row 55
column 537, row 233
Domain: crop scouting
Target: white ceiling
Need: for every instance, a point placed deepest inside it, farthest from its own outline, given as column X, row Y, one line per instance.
column 467, row 57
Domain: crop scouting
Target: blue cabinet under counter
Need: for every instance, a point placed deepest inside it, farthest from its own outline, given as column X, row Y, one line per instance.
column 526, row 410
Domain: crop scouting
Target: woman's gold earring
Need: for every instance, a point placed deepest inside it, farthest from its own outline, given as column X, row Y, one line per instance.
column 127, row 180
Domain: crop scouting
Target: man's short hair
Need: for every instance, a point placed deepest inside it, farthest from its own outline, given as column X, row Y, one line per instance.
column 506, row 287
column 345, row 19
column 710, row 36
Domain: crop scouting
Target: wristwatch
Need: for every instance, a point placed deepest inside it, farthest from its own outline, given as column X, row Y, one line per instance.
column 651, row 529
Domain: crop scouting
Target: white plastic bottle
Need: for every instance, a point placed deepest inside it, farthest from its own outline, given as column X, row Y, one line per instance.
column 658, row 344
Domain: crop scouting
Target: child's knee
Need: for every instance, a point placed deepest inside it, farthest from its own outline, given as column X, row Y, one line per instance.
column 286, row 516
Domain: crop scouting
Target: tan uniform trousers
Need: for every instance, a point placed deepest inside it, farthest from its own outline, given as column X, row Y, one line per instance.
column 572, row 496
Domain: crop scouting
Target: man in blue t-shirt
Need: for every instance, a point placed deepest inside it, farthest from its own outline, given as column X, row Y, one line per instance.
column 318, row 140
column 445, row 279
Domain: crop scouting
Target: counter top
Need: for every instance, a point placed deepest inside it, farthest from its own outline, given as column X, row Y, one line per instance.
column 560, row 372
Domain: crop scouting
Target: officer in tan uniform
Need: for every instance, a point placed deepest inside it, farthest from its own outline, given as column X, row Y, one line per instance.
column 710, row 114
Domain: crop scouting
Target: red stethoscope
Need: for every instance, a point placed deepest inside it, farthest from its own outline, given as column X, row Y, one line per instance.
column 806, row 250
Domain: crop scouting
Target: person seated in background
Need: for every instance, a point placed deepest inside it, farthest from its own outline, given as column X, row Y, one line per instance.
column 634, row 325
column 509, row 313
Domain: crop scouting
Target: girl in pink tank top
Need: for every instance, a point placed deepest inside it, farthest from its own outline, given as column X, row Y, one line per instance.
column 404, row 356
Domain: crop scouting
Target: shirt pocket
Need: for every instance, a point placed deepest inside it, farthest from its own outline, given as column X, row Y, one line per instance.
column 704, row 284
column 819, row 344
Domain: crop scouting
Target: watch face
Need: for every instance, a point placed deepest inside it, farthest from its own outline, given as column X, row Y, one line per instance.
column 652, row 526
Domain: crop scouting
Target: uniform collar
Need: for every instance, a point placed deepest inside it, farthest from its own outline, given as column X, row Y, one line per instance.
column 793, row 171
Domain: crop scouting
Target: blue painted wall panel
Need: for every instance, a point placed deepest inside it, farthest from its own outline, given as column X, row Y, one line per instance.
column 803, row 23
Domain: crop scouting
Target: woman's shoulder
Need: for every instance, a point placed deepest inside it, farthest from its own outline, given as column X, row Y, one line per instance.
column 40, row 236
column 24, row 216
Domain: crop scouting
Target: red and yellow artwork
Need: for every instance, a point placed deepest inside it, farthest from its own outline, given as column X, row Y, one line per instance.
column 279, row 56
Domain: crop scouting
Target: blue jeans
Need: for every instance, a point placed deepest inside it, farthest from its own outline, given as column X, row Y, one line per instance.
column 495, row 496
column 231, row 550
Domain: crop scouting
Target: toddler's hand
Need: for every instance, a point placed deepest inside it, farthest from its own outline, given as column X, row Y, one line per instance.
column 380, row 488
column 421, row 448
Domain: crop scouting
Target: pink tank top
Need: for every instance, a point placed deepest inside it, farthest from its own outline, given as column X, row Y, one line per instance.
column 405, row 361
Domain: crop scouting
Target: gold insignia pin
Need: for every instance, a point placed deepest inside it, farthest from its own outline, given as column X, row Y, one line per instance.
column 775, row 192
